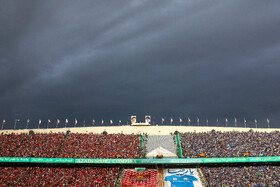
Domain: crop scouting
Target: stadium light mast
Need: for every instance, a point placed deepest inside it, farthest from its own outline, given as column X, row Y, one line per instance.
column 267, row 120
column 256, row 123
column 16, row 120
column 27, row 123
column 49, row 121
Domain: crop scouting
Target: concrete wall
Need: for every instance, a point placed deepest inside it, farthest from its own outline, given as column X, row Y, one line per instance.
column 152, row 130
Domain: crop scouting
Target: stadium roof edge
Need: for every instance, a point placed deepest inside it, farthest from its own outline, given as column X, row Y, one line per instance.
column 150, row 130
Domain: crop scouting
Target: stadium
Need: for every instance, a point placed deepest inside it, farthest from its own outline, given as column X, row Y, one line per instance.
column 77, row 79
column 140, row 154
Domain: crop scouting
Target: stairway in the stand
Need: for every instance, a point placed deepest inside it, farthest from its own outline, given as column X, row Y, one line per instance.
column 161, row 145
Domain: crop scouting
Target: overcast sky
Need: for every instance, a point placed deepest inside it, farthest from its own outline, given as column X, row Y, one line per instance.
column 167, row 58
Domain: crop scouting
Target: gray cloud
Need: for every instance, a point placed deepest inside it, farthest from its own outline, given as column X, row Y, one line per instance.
column 111, row 59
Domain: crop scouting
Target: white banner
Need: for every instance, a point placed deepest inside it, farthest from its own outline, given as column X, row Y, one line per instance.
column 148, row 119
column 133, row 120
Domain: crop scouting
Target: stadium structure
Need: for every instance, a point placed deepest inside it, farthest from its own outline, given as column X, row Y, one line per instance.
column 140, row 155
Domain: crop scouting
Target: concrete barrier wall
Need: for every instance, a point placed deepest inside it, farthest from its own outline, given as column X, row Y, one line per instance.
column 151, row 130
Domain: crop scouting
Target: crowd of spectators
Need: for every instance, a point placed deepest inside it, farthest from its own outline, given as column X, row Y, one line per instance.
column 10, row 142
column 40, row 145
column 76, row 145
column 256, row 176
column 230, row 144
column 100, row 146
column 56, row 176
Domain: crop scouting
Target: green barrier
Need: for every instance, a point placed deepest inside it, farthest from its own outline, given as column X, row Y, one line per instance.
column 26, row 138
column 264, row 159
column 141, row 161
column 137, row 161
column 140, row 144
column 141, row 141
column 105, row 161
column 182, row 161
column 241, row 159
column 225, row 160
column 179, row 146
column 14, row 159
column 52, row 160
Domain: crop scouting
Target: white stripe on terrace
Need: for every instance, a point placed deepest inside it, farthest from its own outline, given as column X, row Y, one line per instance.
column 150, row 130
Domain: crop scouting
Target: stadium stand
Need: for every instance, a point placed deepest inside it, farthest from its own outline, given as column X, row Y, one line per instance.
column 264, row 175
column 100, row 146
column 72, row 146
column 40, row 145
column 10, row 142
column 58, row 176
column 88, row 145
column 230, row 144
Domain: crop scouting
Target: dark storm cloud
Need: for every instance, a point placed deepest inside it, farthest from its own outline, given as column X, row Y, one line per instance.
column 112, row 59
